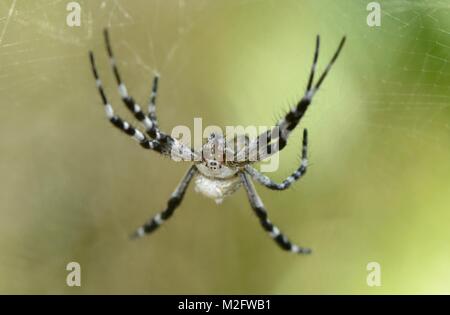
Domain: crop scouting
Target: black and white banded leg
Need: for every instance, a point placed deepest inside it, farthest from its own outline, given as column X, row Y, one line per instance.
column 172, row 204
column 152, row 102
column 291, row 120
column 149, row 124
column 266, row 181
column 261, row 212
column 118, row 122
column 177, row 150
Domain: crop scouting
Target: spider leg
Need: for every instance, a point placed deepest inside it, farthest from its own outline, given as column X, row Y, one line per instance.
column 152, row 102
column 266, row 181
column 149, row 122
column 291, row 120
column 172, row 204
column 118, row 122
column 123, row 91
column 178, row 151
column 261, row 213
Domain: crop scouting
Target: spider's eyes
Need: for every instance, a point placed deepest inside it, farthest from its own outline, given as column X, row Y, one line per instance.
column 213, row 165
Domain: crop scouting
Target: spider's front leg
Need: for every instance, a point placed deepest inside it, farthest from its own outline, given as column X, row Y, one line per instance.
column 284, row 127
column 261, row 213
column 172, row 204
column 266, row 181
column 118, row 122
column 152, row 105
column 175, row 149
column 150, row 121
column 178, row 150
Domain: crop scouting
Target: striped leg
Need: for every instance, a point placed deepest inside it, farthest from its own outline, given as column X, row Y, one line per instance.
column 172, row 204
column 260, row 211
column 152, row 103
column 119, row 122
column 178, row 151
column 149, row 123
column 266, row 181
column 292, row 119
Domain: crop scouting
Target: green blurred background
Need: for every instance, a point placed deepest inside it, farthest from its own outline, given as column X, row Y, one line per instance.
column 73, row 187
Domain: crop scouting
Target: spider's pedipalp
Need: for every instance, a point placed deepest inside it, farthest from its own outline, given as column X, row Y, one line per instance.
column 266, row 181
column 261, row 213
column 172, row 204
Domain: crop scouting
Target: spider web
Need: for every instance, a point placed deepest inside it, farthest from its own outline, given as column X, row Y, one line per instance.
column 379, row 127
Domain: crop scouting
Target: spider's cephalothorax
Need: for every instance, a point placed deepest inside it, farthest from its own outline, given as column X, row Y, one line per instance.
column 215, row 178
column 218, row 171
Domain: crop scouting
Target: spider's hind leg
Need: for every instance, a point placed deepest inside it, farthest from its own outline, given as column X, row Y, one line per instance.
column 172, row 204
column 261, row 213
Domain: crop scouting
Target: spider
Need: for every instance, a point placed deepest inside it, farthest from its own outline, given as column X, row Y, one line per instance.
column 214, row 176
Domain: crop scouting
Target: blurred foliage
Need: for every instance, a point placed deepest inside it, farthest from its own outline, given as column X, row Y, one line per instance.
column 73, row 188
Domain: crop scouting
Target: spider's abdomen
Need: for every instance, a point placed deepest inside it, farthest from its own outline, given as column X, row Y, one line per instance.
column 216, row 188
